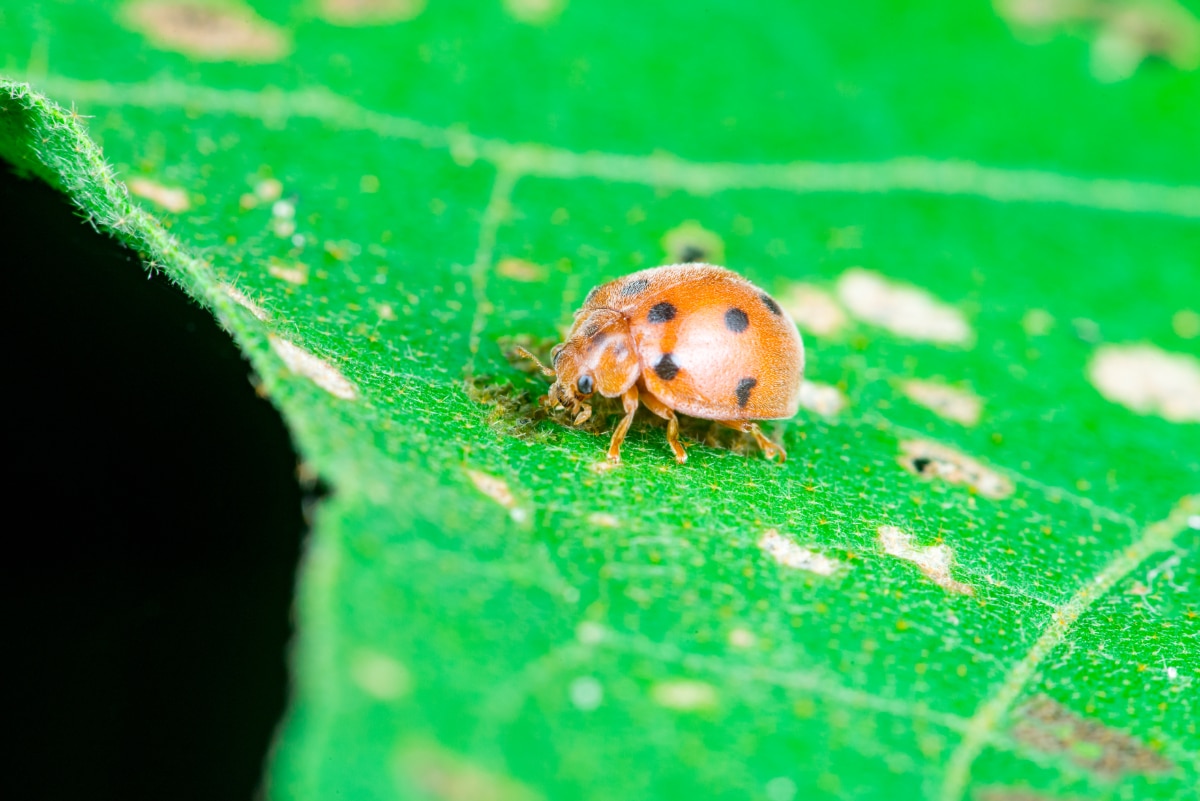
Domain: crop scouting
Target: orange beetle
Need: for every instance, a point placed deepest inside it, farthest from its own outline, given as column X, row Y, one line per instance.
column 690, row 338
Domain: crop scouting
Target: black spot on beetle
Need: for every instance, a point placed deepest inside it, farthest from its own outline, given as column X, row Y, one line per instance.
column 921, row 463
column 737, row 320
column 666, row 369
column 661, row 313
column 743, row 390
column 635, row 287
column 771, row 304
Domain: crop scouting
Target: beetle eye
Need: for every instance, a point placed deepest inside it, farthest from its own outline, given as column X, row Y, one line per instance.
column 584, row 385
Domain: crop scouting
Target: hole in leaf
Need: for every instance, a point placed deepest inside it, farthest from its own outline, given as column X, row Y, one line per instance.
column 149, row 607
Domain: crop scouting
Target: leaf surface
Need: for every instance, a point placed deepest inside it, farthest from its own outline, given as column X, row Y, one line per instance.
column 975, row 577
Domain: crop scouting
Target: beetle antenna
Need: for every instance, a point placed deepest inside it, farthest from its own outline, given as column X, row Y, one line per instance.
column 546, row 371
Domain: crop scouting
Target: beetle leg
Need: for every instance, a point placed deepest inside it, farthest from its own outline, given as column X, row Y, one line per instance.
column 770, row 449
column 667, row 413
column 630, row 400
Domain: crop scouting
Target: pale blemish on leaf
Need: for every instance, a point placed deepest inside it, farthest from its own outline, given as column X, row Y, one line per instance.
column 742, row 638
column 370, row 12
column 171, row 198
column 789, row 554
column 1186, row 324
column 1123, row 33
column 535, row 12
column 692, row 242
column 227, row 31
column 238, row 297
column 521, row 270
column 824, row 399
column 589, row 632
column 952, row 403
column 935, row 461
column 604, row 520
column 685, row 695
column 1148, row 380
column 315, row 369
column 814, row 310
column 1045, row 725
column 296, row 273
column 445, row 775
column 379, row 675
column 1000, row 793
column 934, row 561
column 498, row 490
column 906, row 311
column 283, row 218
column 586, row 693
column 1037, row 322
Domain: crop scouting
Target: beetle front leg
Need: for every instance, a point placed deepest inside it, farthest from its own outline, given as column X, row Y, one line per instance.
column 630, row 400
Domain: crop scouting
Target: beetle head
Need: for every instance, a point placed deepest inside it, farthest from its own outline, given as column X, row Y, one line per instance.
column 573, row 384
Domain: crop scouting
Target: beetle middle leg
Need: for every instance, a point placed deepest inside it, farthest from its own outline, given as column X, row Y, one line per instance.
column 769, row 448
column 667, row 413
column 630, row 400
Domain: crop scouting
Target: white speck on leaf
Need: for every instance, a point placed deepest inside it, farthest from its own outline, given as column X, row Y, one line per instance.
column 292, row 273
column 934, row 561
column 317, row 370
column 906, row 311
column 498, row 490
column 824, row 399
column 521, row 270
column 684, row 694
column 534, row 12
column 172, row 199
column 370, row 12
column 590, row 633
column 742, row 638
column 586, row 693
column 379, row 675
column 952, row 403
column 932, row 460
column 781, row 788
column 789, row 554
column 1148, row 380
column 813, row 309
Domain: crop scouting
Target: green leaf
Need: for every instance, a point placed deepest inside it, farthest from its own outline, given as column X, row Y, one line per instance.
column 976, row 575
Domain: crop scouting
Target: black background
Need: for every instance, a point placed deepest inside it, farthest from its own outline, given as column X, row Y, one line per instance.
column 153, row 526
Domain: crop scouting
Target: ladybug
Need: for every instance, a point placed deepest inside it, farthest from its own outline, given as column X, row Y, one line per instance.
column 690, row 338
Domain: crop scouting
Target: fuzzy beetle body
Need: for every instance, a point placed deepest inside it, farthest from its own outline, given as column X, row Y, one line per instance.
column 690, row 338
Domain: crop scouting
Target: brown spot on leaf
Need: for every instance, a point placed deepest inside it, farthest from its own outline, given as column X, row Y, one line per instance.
column 932, row 460
column 1045, row 725
column 207, row 31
